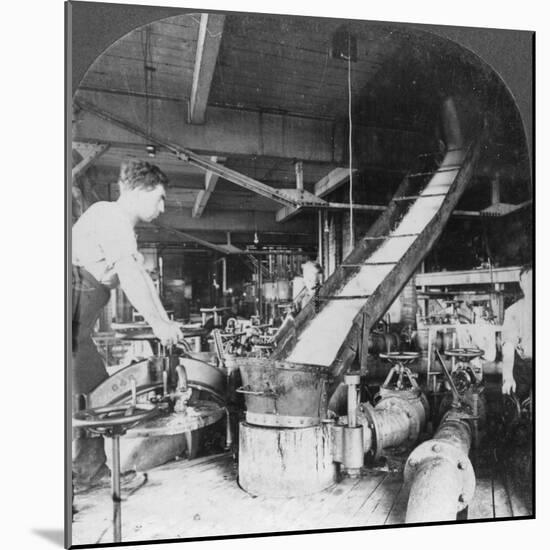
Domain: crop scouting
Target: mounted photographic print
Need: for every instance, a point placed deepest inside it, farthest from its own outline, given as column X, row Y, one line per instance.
column 300, row 272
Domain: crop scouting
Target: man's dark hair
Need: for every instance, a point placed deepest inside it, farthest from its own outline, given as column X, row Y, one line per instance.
column 139, row 174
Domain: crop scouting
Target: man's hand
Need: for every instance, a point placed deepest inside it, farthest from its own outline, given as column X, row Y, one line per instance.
column 168, row 332
column 508, row 385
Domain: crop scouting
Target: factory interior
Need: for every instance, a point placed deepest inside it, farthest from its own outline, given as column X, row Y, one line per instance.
column 347, row 221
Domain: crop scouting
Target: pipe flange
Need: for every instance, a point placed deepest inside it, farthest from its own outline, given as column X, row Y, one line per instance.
column 366, row 411
column 436, row 449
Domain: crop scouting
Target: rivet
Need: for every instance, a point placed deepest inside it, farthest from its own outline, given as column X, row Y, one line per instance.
column 436, row 448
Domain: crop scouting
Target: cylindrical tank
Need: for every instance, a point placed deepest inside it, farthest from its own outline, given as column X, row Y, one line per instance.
column 383, row 342
column 285, row 462
column 283, row 394
column 283, row 290
column 420, row 339
column 269, row 291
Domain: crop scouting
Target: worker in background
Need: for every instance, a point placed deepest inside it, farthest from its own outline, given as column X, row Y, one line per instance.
column 105, row 255
column 304, row 289
column 517, row 340
column 312, row 273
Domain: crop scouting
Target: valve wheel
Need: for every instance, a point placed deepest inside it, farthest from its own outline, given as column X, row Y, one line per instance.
column 398, row 356
column 114, row 418
column 464, row 353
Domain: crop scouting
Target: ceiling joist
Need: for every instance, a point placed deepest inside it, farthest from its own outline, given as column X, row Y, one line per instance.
column 287, row 197
column 208, row 45
column 334, row 179
column 258, row 134
column 89, row 153
column 210, row 180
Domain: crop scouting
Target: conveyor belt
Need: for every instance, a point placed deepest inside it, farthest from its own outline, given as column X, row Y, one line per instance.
column 364, row 286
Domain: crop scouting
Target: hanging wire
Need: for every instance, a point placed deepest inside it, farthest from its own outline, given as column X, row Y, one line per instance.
column 351, row 233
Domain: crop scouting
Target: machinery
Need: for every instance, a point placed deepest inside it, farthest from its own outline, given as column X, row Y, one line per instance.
column 467, row 377
column 113, row 422
column 291, row 443
column 401, row 409
column 189, row 392
column 439, row 471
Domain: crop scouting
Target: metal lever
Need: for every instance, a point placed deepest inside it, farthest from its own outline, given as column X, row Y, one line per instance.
column 456, row 395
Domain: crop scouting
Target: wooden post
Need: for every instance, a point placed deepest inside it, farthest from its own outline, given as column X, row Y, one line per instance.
column 299, row 168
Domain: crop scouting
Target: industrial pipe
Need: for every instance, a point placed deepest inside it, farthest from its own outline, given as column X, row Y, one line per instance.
column 352, row 451
column 395, row 421
column 352, row 381
column 439, row 472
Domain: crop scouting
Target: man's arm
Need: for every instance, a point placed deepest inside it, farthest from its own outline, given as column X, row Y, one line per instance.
column 139, row 288
column 508, row 353
column 155, row 295
column 510, row 337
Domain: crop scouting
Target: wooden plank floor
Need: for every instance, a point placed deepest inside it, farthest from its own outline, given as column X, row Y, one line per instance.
column 201, row 497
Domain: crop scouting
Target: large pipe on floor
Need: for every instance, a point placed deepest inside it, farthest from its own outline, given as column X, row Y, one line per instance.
column 396, row 421
column 440, row 474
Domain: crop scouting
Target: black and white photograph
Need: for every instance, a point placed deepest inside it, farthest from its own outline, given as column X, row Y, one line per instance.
column 300, row 274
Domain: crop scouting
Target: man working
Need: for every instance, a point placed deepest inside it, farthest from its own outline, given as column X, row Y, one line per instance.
column 517, row 341
column 104, row 255
column 312, row 274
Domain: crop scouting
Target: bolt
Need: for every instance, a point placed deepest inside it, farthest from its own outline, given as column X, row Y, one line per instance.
column 413, row 464
column 461, row 498
column 436, row 448
column 460, row 466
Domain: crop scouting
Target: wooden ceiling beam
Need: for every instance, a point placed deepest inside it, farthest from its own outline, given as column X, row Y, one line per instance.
column 210, row 180
column 208, row 45
column 89, row 153
column 334, row 179
column 293, row 197
column 232, row 220
column 226, row 132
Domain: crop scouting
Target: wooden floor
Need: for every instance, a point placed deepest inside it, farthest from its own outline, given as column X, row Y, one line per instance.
column 201, row 497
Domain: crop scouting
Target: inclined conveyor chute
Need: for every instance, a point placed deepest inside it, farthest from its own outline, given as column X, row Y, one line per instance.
column 327, row 332
column 280, row 450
